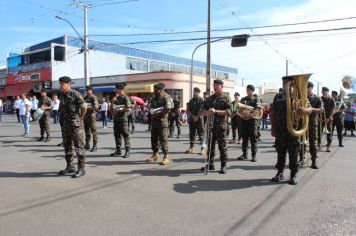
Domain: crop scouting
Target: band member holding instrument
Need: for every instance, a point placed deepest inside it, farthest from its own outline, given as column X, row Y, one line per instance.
column 90, row 119
column 249, row 123
column 196, row 123
column 338, row 117
column 329, row 107
column 285, row 140
column 160, row 106
column 45, row 103
column 73, row 108
column 235, row 120
column 121, row 105
column 175, row 116
column 219, row 106
column 317, row 108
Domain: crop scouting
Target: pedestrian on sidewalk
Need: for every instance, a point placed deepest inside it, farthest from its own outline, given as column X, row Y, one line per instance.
column 55, row 107
column 34, row 102
column 24, row 113
column 17, row 108
column 104, row 113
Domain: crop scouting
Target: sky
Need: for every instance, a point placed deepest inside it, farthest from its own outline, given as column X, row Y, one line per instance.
column 329, row 55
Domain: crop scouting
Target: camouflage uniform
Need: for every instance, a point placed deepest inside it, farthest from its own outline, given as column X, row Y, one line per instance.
column 315, row 102
column 284, row 140
column 72, row 126
column 159, row 125
column 338, row 121
column 218, row 133
column 131, row 116
column 235, row 123
column 121, row 125
column 90, row 120
column 174, row 117
column 329, row 105
column 44, row 120
column 194, row 107
column 249, row 127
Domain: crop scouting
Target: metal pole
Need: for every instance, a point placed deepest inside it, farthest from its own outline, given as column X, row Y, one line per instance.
column 86, row 48
column 287, row 67
column 208, row 55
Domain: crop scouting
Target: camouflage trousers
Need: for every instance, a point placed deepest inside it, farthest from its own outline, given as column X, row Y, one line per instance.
column 174, row 121
column 194, row 128
column 159, row 137
column 328, row 136
column 90, row 129
column 287, row 143
column 339, row 124
column 131, row 121
column 217, row 135
column 121, row 130
column 44, row 125
column 235, row 126
column 312, row 140
column 249, row 132
column 73, row 137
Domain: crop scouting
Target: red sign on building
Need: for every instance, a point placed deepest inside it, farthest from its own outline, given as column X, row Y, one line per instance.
column 34, row 76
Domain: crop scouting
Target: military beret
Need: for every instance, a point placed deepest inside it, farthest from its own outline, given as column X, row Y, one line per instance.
column 196, row 89
column 237, row 94
column 88, row 87
column 218, row 81
column 310, row 85
column 159, row 86
column 43, row 90
column 120, row 86
column 325, row 89
column 65, row 79
column 334, row 92
column 251, row 87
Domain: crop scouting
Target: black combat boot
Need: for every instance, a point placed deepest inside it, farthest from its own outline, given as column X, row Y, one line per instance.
column 340, row 144
column 40, row 139
column 223, row 169
column 60, row 144
column 127, row 153
column 116, row 153
column 279, row 177
column 314, row 165
column 242, row 157
column 68, row 170
column 133, row 130
column 87, row 146
column 293, row 179
column 48, row 139
column 253, row 158
column 210, row 166
column 80, row 172
column 94, row 148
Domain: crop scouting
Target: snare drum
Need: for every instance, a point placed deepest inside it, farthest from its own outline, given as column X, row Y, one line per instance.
column 38, row 114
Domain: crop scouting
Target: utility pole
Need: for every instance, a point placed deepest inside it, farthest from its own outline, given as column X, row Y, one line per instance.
column 86, row 41
column 287, row 67
column 208, row 56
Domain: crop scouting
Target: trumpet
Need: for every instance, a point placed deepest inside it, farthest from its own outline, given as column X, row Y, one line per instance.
column 244, row 111
column 156, row 110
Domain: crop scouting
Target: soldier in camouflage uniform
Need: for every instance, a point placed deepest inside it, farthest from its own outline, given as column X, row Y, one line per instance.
column 317, row 108
column 196, row 125
column 45, row 103
column 131, row 116
column 175, row 116
column 90, row 119
column 121, row 105
column 249, row 124
column 285, row 142
column 338, row 117
column 160, row 106
column 235, row 120
column 73, row 108
column 217, row 105
column 329, row 107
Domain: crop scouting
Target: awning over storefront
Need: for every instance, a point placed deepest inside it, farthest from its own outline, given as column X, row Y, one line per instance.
column 17, row 89
column 138, row 88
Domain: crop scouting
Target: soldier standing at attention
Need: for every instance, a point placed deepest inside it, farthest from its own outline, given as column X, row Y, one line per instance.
column 338, row 117
column 219, row 106
column 235, row 120
column 121, row 105
column 285, row 142
column 90, row 119
column 317, row 107
column 175, row 116
column 160, row 106
column 329, row 106
column 249, row 124
column 131, row 116
column 45, row 103
column 73, row 108
column 196, row 123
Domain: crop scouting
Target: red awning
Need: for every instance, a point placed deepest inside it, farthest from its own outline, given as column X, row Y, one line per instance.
column 17, row 89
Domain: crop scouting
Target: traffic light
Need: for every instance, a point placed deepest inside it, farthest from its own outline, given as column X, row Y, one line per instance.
column 239, row 40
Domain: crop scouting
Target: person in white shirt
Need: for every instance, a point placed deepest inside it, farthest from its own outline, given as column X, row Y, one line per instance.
column 1, row 108
column 55, row 107
column 24, row 112
column 34, row 102
column 17, row 108
column 104, row 113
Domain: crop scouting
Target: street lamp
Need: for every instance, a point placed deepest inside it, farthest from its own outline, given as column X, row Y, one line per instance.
column 236, row 41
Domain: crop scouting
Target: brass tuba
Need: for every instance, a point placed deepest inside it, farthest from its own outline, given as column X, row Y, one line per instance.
column 296, row 97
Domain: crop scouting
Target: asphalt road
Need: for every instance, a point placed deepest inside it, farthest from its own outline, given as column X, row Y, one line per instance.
column 130, row 197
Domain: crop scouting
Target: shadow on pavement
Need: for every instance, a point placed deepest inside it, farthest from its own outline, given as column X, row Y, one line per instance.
column 161, row 172
column 5, row 174
column 257, row 167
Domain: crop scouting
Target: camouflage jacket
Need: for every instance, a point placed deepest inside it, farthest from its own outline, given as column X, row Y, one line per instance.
column 69, row 106
column 92, row 102
column 221, row 102
column 195, row 105
column 122, row 100
column 164, row 101
column 329, row 105
column 252, row 101
column 339, row 116
column 46, row 101
column 315, row 102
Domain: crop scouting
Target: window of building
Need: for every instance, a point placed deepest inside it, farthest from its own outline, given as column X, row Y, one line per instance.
column 158, row 66
column 59, row 53
column 197, row 71
column 222, row 75
column 178, row 68
column 213, row 74
column 136, row 64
